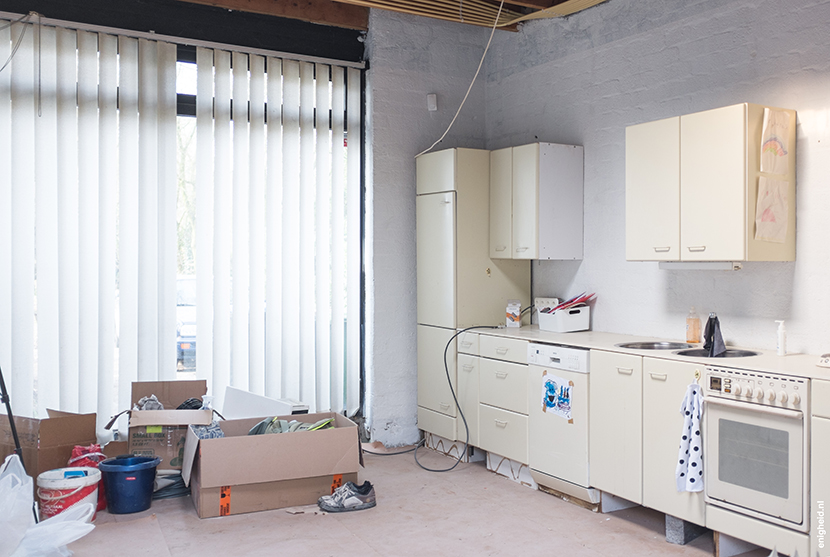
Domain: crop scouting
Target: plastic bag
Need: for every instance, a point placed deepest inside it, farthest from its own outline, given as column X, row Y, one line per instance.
column 16, row 500
column 50, row 537
column 90, row 456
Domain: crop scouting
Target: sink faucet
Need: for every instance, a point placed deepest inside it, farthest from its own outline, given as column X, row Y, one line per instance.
column 712, row 337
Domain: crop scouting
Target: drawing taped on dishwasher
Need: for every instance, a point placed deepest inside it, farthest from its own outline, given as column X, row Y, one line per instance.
column 556, row 396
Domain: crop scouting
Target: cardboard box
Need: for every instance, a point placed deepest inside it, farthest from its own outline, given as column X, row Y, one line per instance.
column 243, row 473
column 47, row 443
column 162, row 433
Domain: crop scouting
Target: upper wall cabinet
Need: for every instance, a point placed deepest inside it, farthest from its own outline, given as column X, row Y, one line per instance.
column 717, row 185
column 536, row 202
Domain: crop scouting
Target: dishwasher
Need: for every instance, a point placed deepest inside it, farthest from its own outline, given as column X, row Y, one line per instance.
column 558, row 419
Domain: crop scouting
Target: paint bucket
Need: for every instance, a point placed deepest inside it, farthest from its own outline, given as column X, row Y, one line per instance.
column 64, row 487
column 129, row 482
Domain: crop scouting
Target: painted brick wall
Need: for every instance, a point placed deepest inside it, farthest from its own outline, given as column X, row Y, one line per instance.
column 410, row 58
column 584, row 79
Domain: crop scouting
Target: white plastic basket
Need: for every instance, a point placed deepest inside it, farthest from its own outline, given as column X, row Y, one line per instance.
column 566, row 320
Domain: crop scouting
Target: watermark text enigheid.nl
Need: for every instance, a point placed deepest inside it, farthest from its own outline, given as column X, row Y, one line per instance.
column 820, row 531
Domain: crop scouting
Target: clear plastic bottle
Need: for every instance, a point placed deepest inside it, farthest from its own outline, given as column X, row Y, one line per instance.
column 692, row 326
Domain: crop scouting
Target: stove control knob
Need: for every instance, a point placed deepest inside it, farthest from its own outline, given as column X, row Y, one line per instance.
column 749, row 392
column 771, row 395
column 782, row 397
column 760, row 394
column 796, row 399
column 736, row 390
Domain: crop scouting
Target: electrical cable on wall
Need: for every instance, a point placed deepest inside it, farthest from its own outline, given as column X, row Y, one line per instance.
column 464, row 100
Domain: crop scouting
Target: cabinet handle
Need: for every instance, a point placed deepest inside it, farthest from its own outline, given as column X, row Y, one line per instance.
column 467, row 367
column 659, row 376
column 501, row 351
column 697, row 248
column 661, row 249
column 501, row 248
column 444, row 405
column 446, row 202
column 500, row 423
column 521, row 249
column 466, row 343
column 501, row 374
column 625, row 370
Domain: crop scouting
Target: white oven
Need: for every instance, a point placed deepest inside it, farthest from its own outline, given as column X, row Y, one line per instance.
column 756, row 444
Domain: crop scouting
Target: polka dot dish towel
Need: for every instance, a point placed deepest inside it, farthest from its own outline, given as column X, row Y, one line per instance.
column 689, row 471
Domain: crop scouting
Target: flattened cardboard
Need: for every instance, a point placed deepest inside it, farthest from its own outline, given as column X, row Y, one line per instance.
column 259, row 472
column 47, row 443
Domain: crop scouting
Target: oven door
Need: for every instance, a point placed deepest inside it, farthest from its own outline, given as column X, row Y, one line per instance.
column 755, row 460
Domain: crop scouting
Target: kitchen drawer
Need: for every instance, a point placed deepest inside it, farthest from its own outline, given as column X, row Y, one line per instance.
column 503, row 433
column 468, row 343
column 820, row 399
column 436, row 423
column 503, row 384
column 502, row 348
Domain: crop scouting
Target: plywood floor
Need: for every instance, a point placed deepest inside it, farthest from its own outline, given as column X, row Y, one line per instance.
column 468, row 511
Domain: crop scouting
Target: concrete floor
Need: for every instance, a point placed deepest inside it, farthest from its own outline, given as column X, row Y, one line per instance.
column 464, row 512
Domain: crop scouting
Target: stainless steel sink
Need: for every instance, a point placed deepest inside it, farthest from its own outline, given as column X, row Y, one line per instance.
column 654, row 345
column 730, row 353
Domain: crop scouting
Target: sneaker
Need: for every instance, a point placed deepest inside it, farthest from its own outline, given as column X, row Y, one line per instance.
column 348, row 497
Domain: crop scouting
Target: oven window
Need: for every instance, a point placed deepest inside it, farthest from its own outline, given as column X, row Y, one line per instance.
column 754, row 457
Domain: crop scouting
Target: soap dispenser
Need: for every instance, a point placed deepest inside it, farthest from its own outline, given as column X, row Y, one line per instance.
column 782, row 338
column 692, row 327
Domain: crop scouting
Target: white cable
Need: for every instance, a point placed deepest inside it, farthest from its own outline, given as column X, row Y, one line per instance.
column 486, row 48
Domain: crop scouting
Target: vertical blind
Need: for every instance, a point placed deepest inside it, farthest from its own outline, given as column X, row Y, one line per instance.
column 88, row 222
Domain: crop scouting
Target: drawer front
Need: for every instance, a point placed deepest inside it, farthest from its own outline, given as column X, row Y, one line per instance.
column 820, row 399
column 502, row 348
column 468, row 343
column 503, row 384
column 503, row 432
column 436, row 423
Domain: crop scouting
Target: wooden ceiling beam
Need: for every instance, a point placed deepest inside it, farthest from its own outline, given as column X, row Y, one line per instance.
column 323, row 12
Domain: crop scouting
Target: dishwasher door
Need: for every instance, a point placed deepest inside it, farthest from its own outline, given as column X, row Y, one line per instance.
column 558, row 423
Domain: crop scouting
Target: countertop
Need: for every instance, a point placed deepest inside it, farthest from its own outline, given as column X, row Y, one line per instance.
column 797, row 365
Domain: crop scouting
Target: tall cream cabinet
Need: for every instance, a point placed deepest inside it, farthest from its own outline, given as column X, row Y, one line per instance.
column 458, row 284
column 536, row 202
column 692, row 185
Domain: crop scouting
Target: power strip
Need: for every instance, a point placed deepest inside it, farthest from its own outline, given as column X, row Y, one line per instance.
column 542, row 303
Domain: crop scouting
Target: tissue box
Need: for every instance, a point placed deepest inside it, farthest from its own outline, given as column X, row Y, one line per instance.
column 566, row 320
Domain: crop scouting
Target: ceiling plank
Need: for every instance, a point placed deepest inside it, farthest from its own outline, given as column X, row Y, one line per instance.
column 324, row 12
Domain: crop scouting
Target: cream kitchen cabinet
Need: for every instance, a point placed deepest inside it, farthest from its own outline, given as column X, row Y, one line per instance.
column 458, row 285
column 615, row 418
column 664, row 386
column 536, row 202
column 692, row 186
column 503, row 396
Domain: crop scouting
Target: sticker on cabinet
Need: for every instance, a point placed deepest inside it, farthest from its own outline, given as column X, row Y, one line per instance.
column 774, row 148
column 771, row 210
column 556, row 396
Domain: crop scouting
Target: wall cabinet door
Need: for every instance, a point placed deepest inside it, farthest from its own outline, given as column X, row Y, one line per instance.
column 501, row 203
column 713, row 184
column 468, row 387
column 433, row 389
column 664, row 386
column 526, row 202
column 652, row 191
column 616, row 424
column 436, row 252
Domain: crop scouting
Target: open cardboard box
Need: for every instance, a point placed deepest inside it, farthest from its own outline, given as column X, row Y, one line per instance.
column 47, row 443
column 243, row 473
column 162, row 433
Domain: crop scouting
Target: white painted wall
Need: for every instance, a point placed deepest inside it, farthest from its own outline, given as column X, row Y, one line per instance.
column 582, row 80
column 410, row 57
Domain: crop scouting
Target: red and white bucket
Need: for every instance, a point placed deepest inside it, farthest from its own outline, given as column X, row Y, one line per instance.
column 64, row 487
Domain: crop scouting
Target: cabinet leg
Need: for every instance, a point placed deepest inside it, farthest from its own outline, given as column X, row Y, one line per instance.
column 680, row 532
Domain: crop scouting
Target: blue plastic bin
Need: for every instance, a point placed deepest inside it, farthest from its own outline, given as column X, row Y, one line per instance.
column 128, row 483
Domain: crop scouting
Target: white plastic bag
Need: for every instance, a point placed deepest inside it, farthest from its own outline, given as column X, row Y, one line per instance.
column 16, row 500
column 50, row 537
